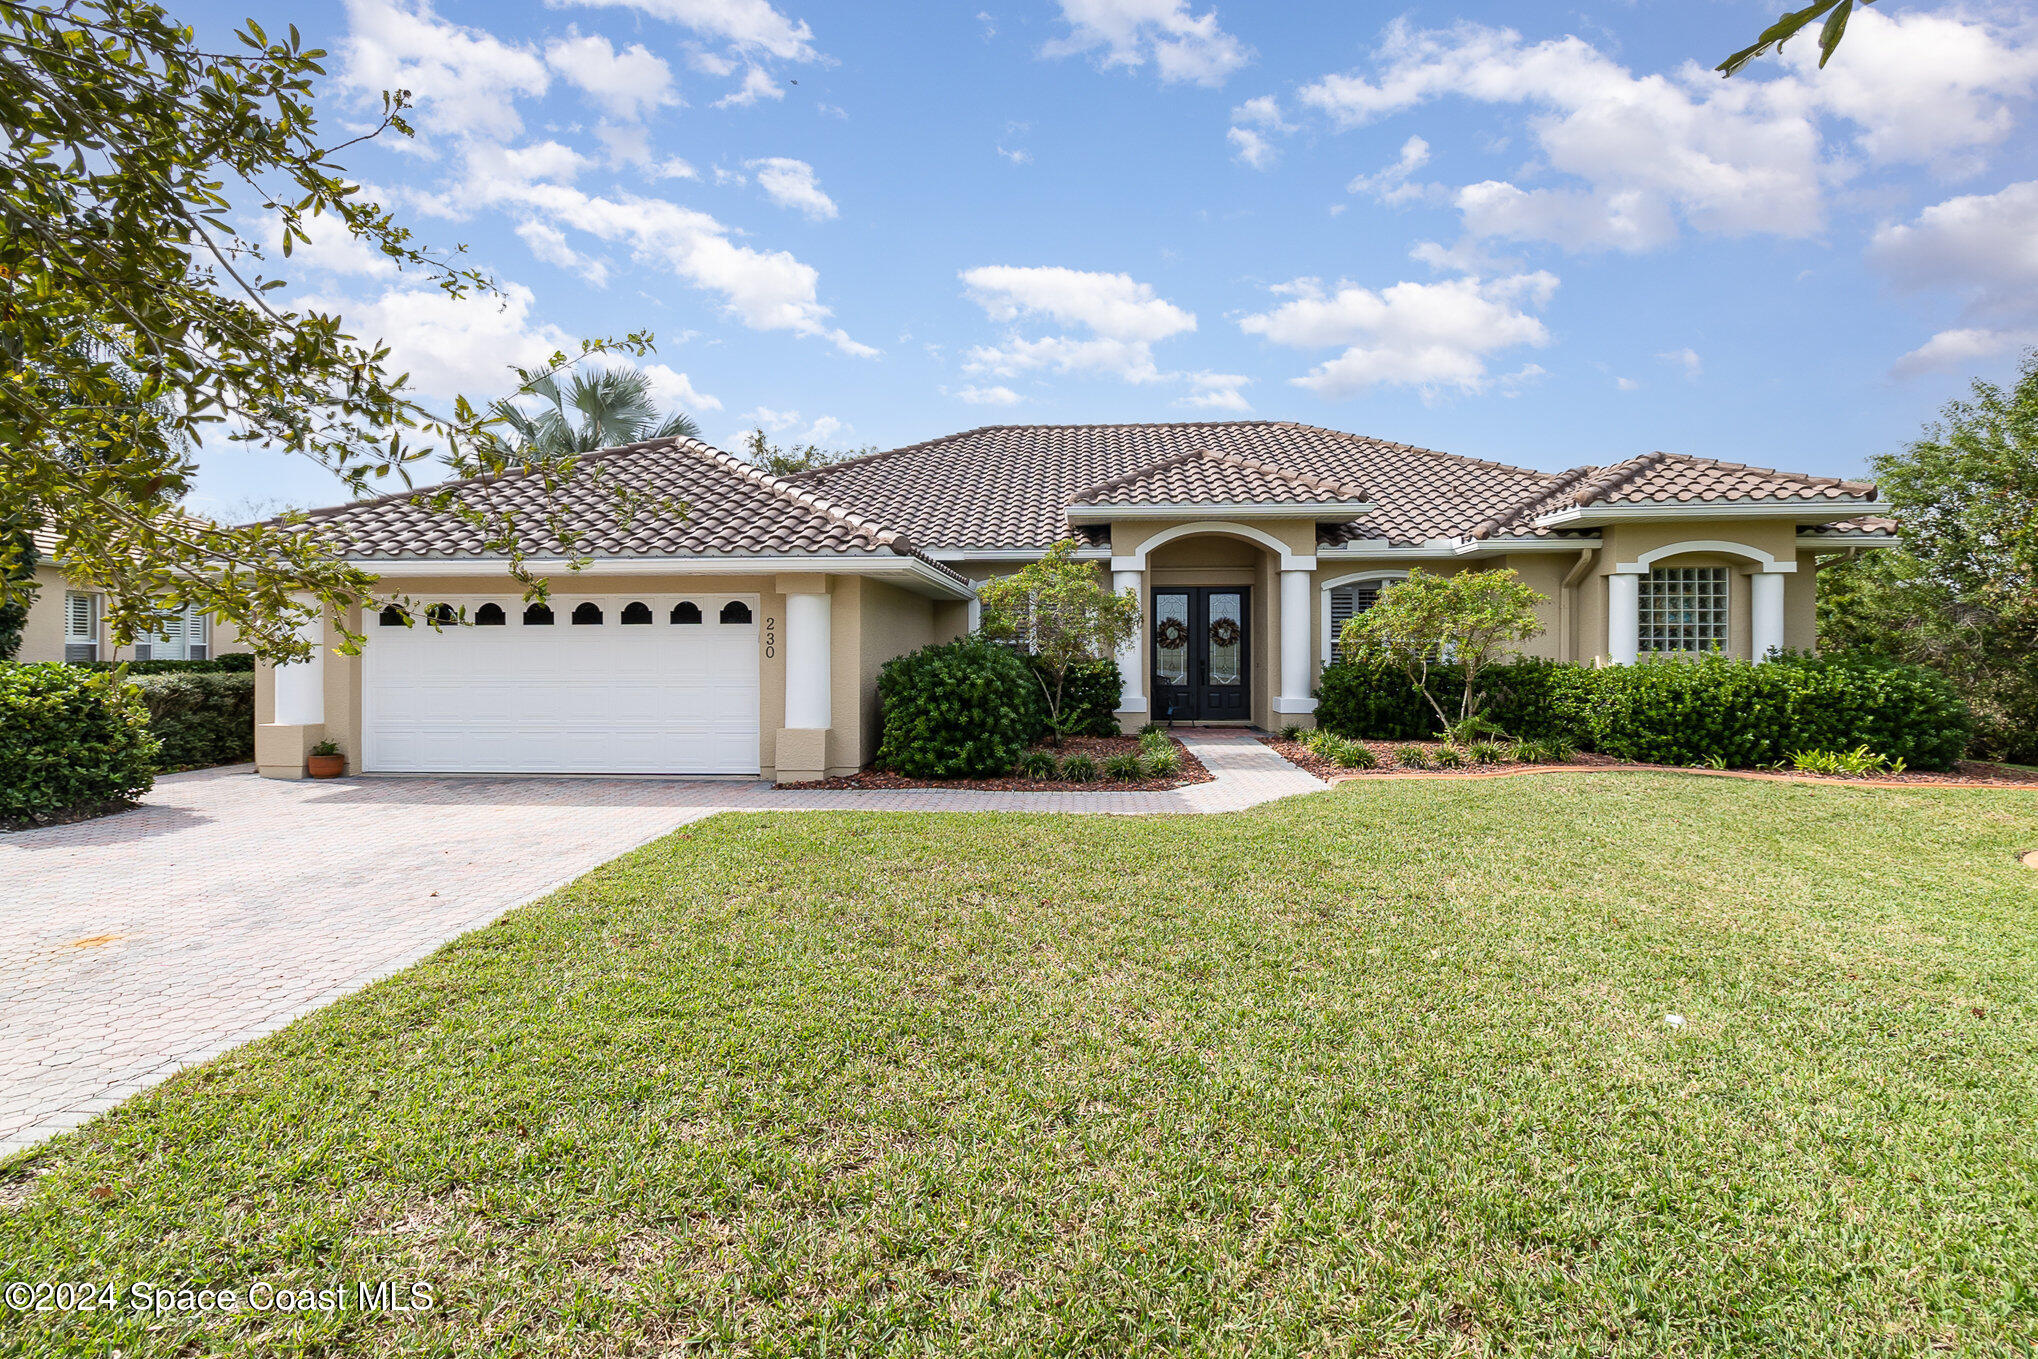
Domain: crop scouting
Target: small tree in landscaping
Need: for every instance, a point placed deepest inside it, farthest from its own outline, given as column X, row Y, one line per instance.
column 1471, row 619
column 1062, row 611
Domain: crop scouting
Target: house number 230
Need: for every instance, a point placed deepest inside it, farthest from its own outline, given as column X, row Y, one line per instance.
column 770, row 637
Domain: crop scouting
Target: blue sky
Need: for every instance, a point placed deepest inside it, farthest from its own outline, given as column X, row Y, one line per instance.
column 1541, row 236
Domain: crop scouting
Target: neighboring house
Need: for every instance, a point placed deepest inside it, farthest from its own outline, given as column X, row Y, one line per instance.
column 741, row 632
column 67, row 622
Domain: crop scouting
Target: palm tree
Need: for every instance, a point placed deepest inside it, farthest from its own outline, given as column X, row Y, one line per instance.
column 595, row 410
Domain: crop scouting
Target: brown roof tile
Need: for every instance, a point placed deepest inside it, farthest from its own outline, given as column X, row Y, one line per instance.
column 1209, row 477
column 695, row 500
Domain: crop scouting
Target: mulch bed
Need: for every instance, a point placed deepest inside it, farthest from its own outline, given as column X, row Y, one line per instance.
column 1965, row 773
column 1098, row 748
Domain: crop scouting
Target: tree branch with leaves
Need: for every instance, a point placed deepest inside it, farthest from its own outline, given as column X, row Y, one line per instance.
column 136, row 317
column 1063, row 612
column 1470, row 619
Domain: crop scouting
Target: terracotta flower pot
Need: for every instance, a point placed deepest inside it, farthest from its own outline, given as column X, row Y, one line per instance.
column 325, row 766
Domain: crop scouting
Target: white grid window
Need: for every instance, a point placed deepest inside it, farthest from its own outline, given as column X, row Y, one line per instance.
column 185, row 637
column 81, row 626
column 1683, row 610
column 1346, row 603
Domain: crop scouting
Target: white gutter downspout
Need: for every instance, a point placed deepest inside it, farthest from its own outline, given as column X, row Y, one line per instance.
column 1567, row 610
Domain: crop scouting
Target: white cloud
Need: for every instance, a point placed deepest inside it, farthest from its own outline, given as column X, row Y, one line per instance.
column 827, row 429
column 988, row 396
column 626, row 84
column 1017, row 155
column 758, row 83
column 1634, row 159
column 1391, row 184
column 548, row 243
column 751, row 26
column 1626, row 384
column 1686, row 361
column 332, row 249
column 675, row 391
column 765, row 289
column 1130, row 33
column 1218, row 392
column 1125, row 318
column 1982, row 248
column 1261, row 111
column 450, row 346
column 791, row 184
column 1252, row 147
column 465, row 80
column 1431, row 336
column 769, row 420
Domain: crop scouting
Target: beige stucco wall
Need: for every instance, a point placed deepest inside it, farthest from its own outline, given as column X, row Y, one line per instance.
column 869, row 622
column 42, row 633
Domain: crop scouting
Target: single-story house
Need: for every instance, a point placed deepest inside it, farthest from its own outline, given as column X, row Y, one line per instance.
column 730, row 622
column 67, row 621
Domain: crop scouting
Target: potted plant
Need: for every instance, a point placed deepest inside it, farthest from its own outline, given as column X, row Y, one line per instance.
column 325, row 761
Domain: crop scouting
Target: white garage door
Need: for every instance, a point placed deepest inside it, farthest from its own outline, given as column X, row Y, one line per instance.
column 611, row 684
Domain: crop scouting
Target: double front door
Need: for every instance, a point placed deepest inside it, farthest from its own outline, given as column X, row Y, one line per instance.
column 1202, row 670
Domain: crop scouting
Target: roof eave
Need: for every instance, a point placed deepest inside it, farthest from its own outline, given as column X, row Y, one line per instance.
column 936, row 579
column 1808, row 511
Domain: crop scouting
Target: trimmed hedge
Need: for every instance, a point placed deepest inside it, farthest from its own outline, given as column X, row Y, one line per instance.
column 1089, row 698
column 200, row 718
column 70, row 739
column 226, row 663
column 965, row 709
column 1707, row 710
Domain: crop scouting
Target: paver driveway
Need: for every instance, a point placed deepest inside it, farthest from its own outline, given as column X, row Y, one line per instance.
column 228, row 905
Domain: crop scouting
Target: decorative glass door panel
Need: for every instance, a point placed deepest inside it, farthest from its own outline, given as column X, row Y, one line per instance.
column 1202, row 664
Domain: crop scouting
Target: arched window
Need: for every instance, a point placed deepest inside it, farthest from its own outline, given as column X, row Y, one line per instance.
column 635, row 613
column 538, row 616
column 735, row 611
column 442, row 616
column 394, row 617
column 587, row 613
column 686, row 611
column 489, row 616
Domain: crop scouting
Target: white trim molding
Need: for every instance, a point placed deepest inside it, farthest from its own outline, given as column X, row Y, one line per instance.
column 1012, row 554
column 1640, row 565
column 1338, row 510
column 1290, row 559
column 1810, row 511
column 1329, row 648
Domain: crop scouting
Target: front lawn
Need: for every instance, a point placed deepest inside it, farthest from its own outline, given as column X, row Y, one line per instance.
column 1382, row 1070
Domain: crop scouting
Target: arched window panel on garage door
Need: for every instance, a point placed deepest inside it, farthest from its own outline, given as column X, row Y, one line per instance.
column 636, row 613
column 490, row 615
column 538, row 616
column 686, row 611
column 587, row 614
column 735, row 611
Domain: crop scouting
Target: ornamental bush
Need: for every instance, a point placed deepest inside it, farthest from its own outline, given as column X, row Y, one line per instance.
column 1717, row 711
column 70, row 739
column 1089, row 697
column 1374, row 700
column 965, row 709
column 200, row 718
column 227, row 662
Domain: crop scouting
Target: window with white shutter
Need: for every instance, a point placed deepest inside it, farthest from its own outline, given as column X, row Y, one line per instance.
column 1348, row 602
column 183, row 637
column 81, row 626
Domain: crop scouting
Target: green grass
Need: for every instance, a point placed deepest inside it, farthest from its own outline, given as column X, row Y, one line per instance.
column 1383, row 1070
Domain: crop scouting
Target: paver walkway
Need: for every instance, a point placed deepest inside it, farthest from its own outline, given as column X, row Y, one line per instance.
column 228, row 905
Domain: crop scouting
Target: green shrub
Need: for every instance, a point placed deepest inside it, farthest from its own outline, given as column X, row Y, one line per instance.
column 1449, row 757
column 961, row 710
column 1153, row 738
column 1738, row 715
column 1486, row 752
column 1079, row 768
column 1292, row 732
column 1162, row 763
column 70, row 738
column 1152, row 729
column 1547, row 750
column 1372, row 700
column 1346, row 753
column 1412, row 757
column 1124, row 766
column 1038, row 764
column 226, row 663
column 200, row 718
column 1089, row 698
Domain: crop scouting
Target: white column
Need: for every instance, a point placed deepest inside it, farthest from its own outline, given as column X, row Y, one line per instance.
column 301, row 685
column 806, row 662
column 1623, row 618
column 1294, row 696
column 1132, row 655
column 1765, row 614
